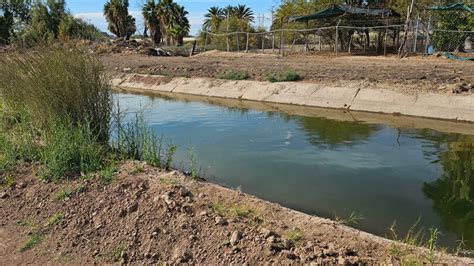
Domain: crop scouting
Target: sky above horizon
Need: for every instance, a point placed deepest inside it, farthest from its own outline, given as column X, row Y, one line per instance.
column 91, row 11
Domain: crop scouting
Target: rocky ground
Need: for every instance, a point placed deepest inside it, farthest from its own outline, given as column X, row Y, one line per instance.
column 147, row 215
column 409, row 75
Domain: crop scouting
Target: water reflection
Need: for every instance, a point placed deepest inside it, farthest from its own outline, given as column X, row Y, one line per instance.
column 324, row 132
column 453, row 192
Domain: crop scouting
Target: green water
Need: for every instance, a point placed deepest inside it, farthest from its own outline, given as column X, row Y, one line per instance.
column 326, row 167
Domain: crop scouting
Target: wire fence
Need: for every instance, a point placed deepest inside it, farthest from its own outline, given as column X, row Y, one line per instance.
column 389, row 39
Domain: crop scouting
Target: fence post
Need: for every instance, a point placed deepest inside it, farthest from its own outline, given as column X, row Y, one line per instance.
column 385, row 42
column 337, row 37
column 205, row 43
column 350, row 44
column 273, row 42
column 319, row 40
column 365, row 38
column 247, row 44
column 238, row 44
column 282, row 43
column 428, row 35
column 416, row 33
column 263, row 43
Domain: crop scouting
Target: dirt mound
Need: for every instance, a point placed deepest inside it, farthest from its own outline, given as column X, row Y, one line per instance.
column 149, row 216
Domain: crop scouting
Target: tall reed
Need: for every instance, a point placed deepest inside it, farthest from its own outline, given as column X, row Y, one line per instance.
column 56, row 83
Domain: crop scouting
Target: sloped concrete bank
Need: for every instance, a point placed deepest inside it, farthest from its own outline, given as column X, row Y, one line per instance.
column 429, row 105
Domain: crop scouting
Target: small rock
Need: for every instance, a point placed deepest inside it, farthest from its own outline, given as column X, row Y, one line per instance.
column 235, row 238
column 203, row 213
column 21, row 185
column 267, row 232
column 220, row 221
column 127, row 69
column 167, row 198
column 3, row 195
column 289, row 255
column 184, row 192
column 271, row 239
column 341, row 260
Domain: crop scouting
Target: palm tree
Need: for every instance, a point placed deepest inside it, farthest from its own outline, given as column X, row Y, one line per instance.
column 119, row 21
column 213, row 18
column 179, row 27
column 243, row 13
column 152, row 21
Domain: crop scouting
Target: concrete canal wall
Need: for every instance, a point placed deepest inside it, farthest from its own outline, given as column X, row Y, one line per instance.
column 429, row 105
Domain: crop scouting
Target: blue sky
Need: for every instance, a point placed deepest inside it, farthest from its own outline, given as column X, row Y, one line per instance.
column 91, row 10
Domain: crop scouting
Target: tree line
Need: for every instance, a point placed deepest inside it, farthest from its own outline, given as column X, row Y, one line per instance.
column 28, row 22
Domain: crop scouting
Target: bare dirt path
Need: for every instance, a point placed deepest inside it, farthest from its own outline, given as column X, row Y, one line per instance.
column 410, row 75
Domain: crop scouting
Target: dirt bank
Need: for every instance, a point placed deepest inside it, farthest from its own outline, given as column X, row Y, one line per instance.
column 411, row 75
column 149, row 216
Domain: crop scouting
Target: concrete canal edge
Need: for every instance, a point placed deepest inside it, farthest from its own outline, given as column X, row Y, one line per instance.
column 428, row 105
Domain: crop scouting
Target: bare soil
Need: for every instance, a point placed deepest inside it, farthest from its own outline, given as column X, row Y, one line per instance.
column 147, row 215
column 409, row 75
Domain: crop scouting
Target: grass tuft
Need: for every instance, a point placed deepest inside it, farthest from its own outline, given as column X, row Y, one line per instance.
column 234, row 75
column 294, row 235
column 33, row 240
column 55, row 219
column 288, row 75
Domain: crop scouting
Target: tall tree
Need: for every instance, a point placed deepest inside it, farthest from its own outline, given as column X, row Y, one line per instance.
column 213, row 18
column 152, row 21
column 244, row 13
column 119, row 21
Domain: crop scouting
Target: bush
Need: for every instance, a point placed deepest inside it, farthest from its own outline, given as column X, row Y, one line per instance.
column 234, row 75
column 54, row 84
column 288, row 75
column 447, row 38
column 70, row 148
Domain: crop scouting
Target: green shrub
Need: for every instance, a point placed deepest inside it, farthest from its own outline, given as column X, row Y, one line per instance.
column 288, row 75
column 70, row 148
column 234, row 75
column 134, row 140
column 55, row 84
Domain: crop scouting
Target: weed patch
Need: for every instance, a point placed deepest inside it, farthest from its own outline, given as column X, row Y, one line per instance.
column 55, row 219
column 288, row 75
column 33, row 240
column 233, row 75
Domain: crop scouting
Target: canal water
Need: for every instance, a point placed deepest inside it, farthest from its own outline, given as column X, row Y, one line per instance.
column 329, row 168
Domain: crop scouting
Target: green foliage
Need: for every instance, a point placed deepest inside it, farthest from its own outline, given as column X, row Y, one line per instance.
column 119, row 21
column 70, row 149
column 294, row 235
column 55, row 219
column 452, row 21
column 57, row 84
column 234, row 75
column 33, row 240
column 354, row 218
column 432, row 242
column 289, row 75
column 192, row 162
column 49, row 21
column 108, row 174
column 166, row 19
